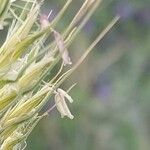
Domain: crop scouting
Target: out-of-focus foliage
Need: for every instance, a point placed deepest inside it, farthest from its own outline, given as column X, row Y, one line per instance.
column 112, row 98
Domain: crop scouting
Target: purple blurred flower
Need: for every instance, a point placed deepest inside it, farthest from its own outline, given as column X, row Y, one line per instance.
column 125, row 10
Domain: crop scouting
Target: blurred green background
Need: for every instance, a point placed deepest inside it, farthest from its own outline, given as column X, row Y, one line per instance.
column 112, row 97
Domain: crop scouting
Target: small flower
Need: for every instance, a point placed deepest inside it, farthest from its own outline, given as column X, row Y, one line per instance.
column 44, row 21
column 65, row 94
column 62, row 48
column 61, row 103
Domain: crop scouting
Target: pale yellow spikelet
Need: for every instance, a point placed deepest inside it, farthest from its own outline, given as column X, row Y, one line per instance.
column 33, row 73
column 4, row 6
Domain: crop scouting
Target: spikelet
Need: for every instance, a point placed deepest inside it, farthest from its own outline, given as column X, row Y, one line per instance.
column 4, row 7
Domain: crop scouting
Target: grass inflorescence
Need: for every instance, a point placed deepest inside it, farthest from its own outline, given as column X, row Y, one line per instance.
column 26, row 60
